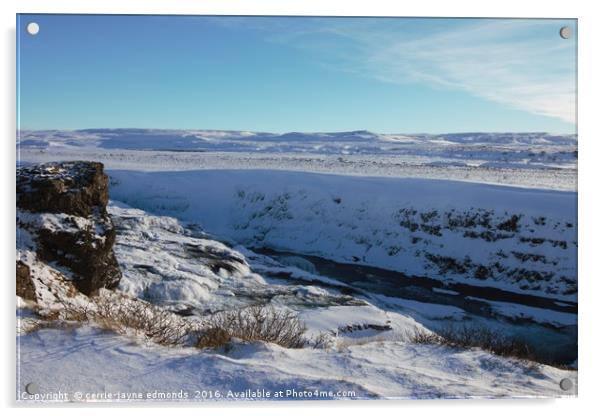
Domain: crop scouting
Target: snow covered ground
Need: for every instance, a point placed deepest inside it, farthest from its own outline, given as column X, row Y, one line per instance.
column 512, row 238
column 370, row 354
column 535, row 160
column 187, row 272
column 192, row 208
column 110, row 367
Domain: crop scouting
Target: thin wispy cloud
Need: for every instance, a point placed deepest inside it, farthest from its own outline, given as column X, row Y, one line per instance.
column 522, row 64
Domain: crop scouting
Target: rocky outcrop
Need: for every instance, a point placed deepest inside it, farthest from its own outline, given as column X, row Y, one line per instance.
column 76, row 188
column 63, row 207
column 25, row 286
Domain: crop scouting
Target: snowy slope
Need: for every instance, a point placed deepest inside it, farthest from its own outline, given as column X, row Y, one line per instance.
column 181, row 268
column 186, row 271
column 516, row 239
column 110, row 364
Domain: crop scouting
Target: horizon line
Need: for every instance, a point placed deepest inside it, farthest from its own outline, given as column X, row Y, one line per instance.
column 299, row 131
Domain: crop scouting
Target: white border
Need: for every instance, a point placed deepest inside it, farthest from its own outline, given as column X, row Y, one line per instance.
column 590, row 210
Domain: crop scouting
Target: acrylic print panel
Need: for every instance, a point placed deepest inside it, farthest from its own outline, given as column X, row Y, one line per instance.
column 295, row 208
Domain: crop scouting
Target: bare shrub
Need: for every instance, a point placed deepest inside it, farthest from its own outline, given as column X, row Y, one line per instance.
column 254, row 323
column 489, row 340
column 124, row 315
column 29, row 326
column 213, row 338
column 467, row 336
column 321, row 341
column 79, row 312
column 420, row 336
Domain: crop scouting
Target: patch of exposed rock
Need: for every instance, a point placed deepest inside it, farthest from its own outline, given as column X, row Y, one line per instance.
column 63, row 207
column 76, row 188
column 25, row 286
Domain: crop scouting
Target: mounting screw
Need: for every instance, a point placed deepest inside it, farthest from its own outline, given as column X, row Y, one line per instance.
column 566, row 384
column 32, row 388
column 565, row 32
column 33, row 28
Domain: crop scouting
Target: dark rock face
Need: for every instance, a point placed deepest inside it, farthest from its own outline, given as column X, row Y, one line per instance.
column 71, row 225
column 87, row 254
column 25, row 286
column 76, row 188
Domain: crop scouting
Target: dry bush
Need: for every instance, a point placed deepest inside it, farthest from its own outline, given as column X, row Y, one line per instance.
column 254, row 323
column 30, row 325
column 126, row 316
column 79, row 312
column 321, row 341
column 45, row 318
column 466, row 336
column 489, row 340
column 420, row 336
column 213, row 338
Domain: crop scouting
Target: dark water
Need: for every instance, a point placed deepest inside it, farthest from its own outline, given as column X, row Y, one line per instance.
column 548, row 343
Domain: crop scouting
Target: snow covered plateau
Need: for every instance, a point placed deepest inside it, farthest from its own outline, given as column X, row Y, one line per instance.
column 368, row 239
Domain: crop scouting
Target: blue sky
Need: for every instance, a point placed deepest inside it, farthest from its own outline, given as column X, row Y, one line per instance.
column 283, row 74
